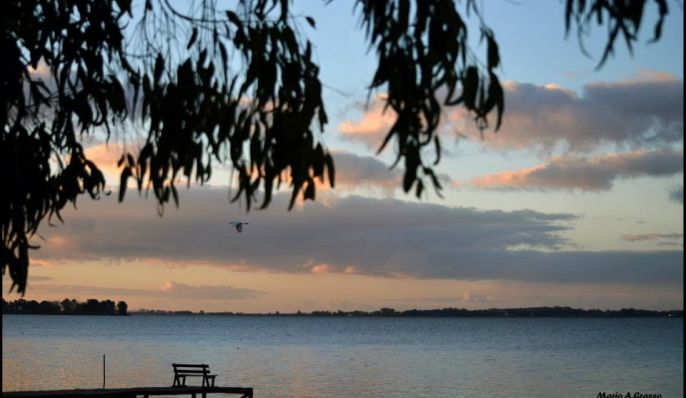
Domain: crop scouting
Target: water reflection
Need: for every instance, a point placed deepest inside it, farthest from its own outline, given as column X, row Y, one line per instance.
column 320, row 357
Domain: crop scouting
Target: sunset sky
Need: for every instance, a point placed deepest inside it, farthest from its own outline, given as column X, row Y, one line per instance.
column 577, row 200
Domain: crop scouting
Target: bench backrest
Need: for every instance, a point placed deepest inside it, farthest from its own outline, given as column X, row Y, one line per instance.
column 189, row 369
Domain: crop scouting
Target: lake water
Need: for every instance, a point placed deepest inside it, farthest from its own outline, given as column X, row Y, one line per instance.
column 358, row 357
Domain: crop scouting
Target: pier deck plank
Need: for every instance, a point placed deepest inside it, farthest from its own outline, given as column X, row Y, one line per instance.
column 244, row 392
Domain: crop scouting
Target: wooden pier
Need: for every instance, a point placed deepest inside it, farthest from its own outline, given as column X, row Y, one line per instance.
column 134, row 392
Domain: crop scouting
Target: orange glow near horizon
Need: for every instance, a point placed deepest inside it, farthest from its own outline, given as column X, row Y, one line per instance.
column 318, row 289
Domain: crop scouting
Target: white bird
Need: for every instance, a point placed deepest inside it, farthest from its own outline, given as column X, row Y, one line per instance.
column 238, row 225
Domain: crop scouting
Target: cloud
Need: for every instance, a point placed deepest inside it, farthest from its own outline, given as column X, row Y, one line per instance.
column 320, row 269
column 644, row 237
column 466, row 297
column 353, row 171
column 169, row 290
column 673, row 239
column 676, row 194
column 373, row 127
column 180, row 290
column 594, row 174
column 643, row 112
column 355, row 235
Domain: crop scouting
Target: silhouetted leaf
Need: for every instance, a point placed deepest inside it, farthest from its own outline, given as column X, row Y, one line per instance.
column 311, row 21
column 125, row 174
column 309, row 191
column 419, row 189
column 470, row 87
column 175, row 195
column 234, row 19
column 331, row 170
column 159, row 67
column 493, row 53
column 194, row 36
column 437, row 144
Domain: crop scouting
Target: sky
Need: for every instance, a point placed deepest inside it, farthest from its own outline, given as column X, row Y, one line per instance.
column 577, row 200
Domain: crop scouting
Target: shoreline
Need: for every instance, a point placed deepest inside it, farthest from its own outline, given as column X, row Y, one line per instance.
column 538, row 312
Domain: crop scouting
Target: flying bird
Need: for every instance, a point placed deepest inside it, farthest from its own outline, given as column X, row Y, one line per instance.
column 238, row 225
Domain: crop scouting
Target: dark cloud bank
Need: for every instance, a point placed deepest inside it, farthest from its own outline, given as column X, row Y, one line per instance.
column 355, row 235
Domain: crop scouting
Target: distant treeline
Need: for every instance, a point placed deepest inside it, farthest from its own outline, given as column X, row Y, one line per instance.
column 533, row 312
column 65, row 307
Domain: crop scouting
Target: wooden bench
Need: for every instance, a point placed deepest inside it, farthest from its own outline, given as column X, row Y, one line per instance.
column 183, row 370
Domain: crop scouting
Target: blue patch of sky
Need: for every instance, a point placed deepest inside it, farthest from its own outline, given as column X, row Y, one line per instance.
column 532, row 43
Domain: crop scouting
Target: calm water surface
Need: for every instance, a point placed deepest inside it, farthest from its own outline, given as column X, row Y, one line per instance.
column 334, row 357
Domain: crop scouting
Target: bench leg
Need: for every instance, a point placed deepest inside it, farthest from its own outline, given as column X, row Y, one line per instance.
column 208, row 381
column 179, row 381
